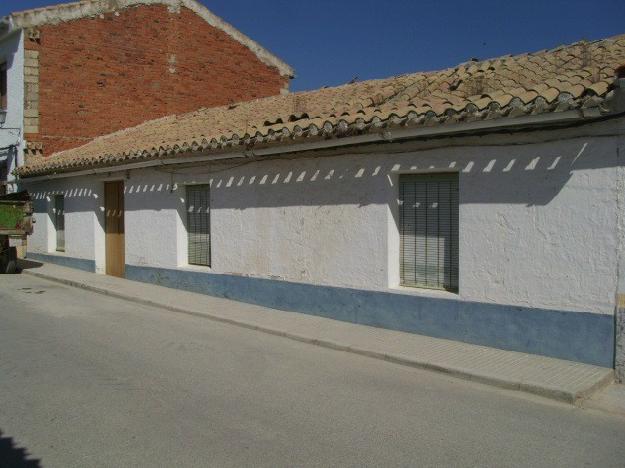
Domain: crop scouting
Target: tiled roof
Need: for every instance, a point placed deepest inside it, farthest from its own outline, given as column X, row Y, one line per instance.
column 577, row 76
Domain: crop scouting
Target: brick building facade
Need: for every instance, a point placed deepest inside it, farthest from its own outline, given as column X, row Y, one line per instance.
column 95, row 67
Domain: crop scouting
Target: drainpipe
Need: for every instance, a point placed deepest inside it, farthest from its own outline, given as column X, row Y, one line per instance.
column 619, row 354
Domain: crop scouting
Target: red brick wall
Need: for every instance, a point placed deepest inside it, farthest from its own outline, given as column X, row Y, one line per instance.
column 99, row 75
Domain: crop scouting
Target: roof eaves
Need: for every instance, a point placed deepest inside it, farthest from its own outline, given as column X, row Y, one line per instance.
column 321, row 129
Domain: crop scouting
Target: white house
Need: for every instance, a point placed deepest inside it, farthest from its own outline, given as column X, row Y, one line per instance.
column 11, row 106
column 482, row 203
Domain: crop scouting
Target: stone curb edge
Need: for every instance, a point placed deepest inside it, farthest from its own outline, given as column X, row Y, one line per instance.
column 574, row 398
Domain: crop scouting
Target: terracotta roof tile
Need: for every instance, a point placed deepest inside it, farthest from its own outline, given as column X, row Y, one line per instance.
column 574, row 76
column 599, row 88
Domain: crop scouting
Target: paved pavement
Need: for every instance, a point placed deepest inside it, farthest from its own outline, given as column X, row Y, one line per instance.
column 89, row 380
column 553, row 378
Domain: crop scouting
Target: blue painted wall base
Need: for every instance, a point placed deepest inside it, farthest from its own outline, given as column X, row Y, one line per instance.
column 71, row 262
column 576, row 336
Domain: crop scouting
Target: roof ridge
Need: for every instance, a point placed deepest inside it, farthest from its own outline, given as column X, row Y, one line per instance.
column 69, row 11
column 469, row 63
column 550, row 50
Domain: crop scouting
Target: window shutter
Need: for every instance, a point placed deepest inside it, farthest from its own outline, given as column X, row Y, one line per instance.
column 428, row 220
column 198, row 224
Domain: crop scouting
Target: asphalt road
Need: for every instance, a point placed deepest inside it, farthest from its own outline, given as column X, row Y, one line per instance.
column 87, row 380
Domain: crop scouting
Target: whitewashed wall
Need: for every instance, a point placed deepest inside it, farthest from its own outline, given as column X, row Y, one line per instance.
column 537, row 222
column 12, row 52
column 153, row 226
column 83, row 221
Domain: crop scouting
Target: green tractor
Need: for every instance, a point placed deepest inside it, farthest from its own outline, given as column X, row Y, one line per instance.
column 16, row 222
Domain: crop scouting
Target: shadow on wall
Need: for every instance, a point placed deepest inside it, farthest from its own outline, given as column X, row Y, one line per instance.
column 12, row 456
column 498, row 174
column 516, row 177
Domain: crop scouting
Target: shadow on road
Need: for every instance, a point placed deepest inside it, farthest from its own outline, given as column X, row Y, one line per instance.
column 24, row 264
column 12, row 456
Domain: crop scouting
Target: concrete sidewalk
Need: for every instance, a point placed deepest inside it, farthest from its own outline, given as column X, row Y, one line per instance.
column 567, row 381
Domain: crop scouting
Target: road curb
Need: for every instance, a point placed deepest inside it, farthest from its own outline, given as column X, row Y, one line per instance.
column 575, row 398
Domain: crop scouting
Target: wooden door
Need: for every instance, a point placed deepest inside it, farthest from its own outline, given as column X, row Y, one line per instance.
column 114, row 228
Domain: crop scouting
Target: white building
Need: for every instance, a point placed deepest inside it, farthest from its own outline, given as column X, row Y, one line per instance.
column 11, row 106
column 482, row 203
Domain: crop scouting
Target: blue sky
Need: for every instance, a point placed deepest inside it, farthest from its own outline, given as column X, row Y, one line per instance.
column 329, row 42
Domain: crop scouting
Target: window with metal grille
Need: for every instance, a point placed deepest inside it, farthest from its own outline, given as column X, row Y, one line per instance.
column 198, row 224
column 59, row 222
column 428, row 223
